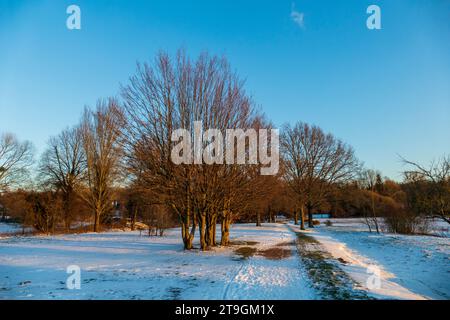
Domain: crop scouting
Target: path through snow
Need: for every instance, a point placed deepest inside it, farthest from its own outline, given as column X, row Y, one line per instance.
column 411, row 267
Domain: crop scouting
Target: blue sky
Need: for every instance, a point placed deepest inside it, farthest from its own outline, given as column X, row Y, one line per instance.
column 386, row 92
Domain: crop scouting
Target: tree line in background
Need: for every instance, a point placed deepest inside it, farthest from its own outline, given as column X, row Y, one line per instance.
column 117, row 162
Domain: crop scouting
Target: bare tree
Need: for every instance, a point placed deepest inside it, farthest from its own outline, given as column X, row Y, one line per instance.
column 369, row 180
column 313, row 162
column 63, row 167
column 100, row 130
column 15, row 159
column 434, row 180
column 172, row 95
column 45, row 209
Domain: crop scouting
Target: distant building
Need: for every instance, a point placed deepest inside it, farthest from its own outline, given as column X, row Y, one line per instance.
column 321, row 215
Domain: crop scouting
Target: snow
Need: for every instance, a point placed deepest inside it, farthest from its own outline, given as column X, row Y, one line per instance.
column 124, row 265
column 127, row 265
column 6, row 228
column 411, row 267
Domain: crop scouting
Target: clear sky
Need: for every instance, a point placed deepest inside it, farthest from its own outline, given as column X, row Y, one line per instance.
column 386, row 92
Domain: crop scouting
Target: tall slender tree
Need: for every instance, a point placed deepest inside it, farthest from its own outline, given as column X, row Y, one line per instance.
column 100, row 131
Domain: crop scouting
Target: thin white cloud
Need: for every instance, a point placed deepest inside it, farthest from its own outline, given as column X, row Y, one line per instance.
column 298, row 17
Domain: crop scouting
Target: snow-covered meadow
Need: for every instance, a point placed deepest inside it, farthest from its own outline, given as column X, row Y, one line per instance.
column 263, row 263
column 127, row 265
column 411, row 266
column 8, row 228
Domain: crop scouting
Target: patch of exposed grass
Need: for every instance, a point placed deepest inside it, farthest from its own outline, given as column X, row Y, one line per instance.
column 303, row 238
column 275, row 253
column 243, row 243
column 327, row 278
column 286, row 244
column 245, row 252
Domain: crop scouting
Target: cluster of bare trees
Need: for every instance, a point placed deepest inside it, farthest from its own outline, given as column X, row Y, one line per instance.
column 78, row 169
column 175, row 94
column 428, row 188
column 121, row 151
column 84, row 162
column 315, row 163
column 62, row 169
column 133, row 141
column 408, row 207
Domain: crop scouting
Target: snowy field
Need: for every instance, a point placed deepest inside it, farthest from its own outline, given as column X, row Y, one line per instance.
column 7, row 228
column 125, row 265
column 412, row 267
column 262, row 263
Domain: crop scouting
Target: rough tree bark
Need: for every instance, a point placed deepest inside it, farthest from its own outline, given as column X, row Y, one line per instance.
column 302, row 218
column 225, row 228
column 258, row 219
column 310, row 216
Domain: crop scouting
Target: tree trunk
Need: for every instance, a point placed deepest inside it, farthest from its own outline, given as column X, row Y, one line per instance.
column 202, row 225
column 258, row 219
column 211, row 232
column 207, row 230
column 192, row 234
column 295, row 217
column 188, row 241
column 188, row 236
column 310, row 216
column 67, row 206
column 225, row 228
column 374, row 213
column 97, row 221
column 67, row 225
column 133, row 219
column 368, row 224
column 214, row 232
column 66, row 217
column 302, row 218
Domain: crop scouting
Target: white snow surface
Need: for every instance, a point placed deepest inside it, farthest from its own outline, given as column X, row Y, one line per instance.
column 125, row 265
column 6, row 228
column 411, row 266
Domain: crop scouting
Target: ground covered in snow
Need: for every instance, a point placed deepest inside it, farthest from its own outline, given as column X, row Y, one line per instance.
column 125, row 265
column 275, row 261
column 411, row 266
column 8, row 228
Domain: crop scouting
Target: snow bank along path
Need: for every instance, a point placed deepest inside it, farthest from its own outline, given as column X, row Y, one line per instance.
column 411, row 267
column 125, row 265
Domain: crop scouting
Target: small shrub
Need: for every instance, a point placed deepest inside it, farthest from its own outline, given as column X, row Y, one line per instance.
column 316, row 222
column 403, row 222
column 328, row 223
